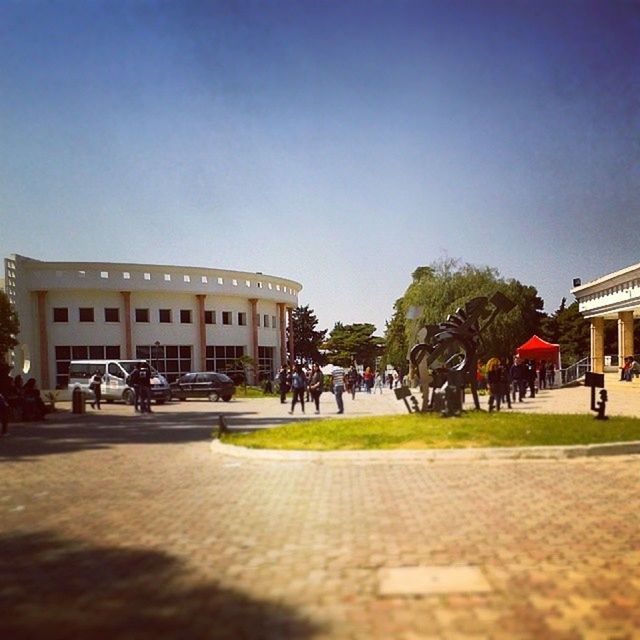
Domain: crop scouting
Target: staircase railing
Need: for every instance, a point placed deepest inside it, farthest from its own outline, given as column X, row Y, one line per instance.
column 574, row 372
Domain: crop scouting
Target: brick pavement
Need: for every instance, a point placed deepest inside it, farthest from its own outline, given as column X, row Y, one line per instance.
column 130, row 527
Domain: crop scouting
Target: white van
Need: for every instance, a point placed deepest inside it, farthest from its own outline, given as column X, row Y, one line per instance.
column 114, row 375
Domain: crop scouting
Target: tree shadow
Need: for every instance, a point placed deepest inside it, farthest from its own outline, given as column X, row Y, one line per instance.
column 65, row 432
column 53, row 588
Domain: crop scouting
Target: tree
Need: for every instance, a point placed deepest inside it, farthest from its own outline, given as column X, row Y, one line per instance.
column 396, row 341
column 9, row 329
column 354, row 342
column 248, row 365
column 568, row 328
column 442, row 287
column 306, row 340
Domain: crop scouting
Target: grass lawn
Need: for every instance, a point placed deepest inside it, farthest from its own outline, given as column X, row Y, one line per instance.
column 425, row 431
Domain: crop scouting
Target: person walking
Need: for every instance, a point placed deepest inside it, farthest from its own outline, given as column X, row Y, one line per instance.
column 298, row 384
column 493, row 379
column 378, row 383
column 145, row 388
column 518, row 375
column 542, row 375
column 315, row 385
column 282, row 381
column 133, row 380
column 95, row 384
column 352, row 381
column 337, row 386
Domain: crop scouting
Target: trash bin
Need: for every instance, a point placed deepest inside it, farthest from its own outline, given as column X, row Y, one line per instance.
column 77, row 401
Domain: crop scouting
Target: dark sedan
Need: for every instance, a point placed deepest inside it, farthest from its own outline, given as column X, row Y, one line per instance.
column 203, row 385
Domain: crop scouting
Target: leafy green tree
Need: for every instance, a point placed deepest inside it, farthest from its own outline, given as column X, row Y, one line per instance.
column 9, row 329
column 396, row 341
column 307, row 341
column 439, row 289
column 354, row 342
column 568, row 328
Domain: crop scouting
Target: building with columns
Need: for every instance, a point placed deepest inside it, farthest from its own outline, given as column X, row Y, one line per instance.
column 179, row 318
column 614, row 297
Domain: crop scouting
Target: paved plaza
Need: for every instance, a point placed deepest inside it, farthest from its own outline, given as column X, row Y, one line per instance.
column 114, row 525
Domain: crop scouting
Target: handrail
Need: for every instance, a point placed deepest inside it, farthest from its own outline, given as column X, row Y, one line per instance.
column 574, row 372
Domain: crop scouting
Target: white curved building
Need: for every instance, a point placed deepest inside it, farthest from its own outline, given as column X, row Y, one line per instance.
column 179, row 318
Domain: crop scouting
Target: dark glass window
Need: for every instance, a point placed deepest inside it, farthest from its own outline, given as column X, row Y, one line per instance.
column 242, row 318
column 96, row 352
column 164, row 315
column 111, row 314
column 60, row 314
column 112, row 352
column 185, row 316
column 142, row 315
column 85, row 314
column 209, row 317
column 226, row 317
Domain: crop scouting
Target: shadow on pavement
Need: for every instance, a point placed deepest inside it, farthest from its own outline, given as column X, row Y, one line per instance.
column 65, row 432
column 54, row 588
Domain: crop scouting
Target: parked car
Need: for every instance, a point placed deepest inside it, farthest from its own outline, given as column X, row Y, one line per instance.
column 204, row 384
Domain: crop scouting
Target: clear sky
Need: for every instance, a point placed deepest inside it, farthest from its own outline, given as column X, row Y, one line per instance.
column 338, row 143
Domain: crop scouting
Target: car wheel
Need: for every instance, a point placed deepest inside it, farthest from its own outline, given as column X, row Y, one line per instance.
column 227, row 398
column 213, row 396
column 128, row 396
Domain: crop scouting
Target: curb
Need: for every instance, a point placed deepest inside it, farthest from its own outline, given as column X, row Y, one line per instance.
column 433, row 455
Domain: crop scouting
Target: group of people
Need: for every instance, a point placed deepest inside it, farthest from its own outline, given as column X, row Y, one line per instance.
column 21, row 398
column 629, row 369
column 308, row 383
column 506, row 383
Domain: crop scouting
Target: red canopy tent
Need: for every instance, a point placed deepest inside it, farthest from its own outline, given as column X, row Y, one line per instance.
column 536, row 348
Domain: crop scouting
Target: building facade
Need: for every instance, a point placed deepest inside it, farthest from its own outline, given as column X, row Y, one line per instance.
column 614, row 297
column 179, row 318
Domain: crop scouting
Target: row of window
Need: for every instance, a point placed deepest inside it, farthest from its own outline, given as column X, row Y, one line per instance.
column 165, row 316
column 171, row 360
column 166, row 277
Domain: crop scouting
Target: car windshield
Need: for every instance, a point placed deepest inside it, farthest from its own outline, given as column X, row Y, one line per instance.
column 223, row 377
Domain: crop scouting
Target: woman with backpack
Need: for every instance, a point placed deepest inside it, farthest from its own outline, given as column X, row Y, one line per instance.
column 315, row 385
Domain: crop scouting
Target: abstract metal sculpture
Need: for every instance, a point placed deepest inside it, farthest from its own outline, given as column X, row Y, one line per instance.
column 445, row 358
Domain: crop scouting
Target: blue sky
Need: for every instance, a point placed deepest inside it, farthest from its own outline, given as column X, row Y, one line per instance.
column 341, row 144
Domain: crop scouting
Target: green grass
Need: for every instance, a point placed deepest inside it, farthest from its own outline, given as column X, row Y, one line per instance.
column 425, row 431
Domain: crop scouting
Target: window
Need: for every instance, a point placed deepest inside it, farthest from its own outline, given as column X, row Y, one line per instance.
column 172, row 361
column 265, row 363
column 266, row 321
column 111, row 314
column 257, row 319
column 147, row 276
column 142, row 315
column 242, row 318
column 185, row 316
column 60, row 314
column 220, row 281
column 203, row 279
column 85, row 314
column 104, row 274
column 226, row 317
column 224, row 359
column 64, row 354
column 273, row 322
column 209, row 317
column 164, row 315
column 187, row 278
column 126, row 275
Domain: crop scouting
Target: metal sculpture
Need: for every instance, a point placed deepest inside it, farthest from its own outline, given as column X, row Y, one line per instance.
column 445, row 358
